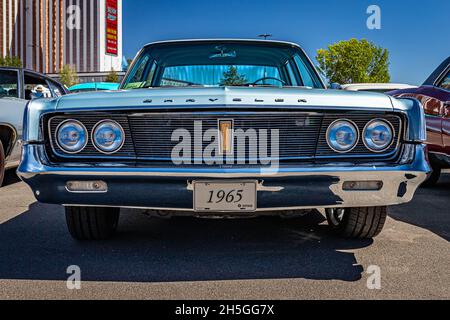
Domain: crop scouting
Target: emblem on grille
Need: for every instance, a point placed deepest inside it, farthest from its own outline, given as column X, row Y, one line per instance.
column 226, row 137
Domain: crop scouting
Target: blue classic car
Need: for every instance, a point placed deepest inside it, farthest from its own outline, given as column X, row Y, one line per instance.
column 224, row 128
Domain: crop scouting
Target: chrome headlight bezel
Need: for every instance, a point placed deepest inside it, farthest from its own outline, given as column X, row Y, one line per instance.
column 351, row 124
column 98, row 147
column 68, row 150
column 369, row 144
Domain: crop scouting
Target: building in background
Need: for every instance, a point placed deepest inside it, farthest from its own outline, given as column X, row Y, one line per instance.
column 47, row 34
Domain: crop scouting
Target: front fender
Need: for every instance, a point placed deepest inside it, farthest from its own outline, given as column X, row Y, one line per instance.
column 415, row 114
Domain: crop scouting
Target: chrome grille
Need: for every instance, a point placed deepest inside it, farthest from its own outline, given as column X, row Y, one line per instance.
column 148, row 135
column 297, row 131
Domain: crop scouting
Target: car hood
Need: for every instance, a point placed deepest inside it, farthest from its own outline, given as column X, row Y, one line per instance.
column 225, row 97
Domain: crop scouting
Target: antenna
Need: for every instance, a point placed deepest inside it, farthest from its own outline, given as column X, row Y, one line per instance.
column 265, row 36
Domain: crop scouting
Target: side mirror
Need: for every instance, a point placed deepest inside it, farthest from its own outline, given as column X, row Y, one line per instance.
column 335, row 86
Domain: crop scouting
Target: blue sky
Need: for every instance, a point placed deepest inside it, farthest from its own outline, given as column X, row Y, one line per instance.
column 417, row 33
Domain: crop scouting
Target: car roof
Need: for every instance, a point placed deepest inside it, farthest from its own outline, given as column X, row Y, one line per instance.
column 26, row 70
column 257, row 41
column 444, row 66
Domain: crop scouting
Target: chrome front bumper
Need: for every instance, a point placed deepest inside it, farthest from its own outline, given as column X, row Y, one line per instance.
column 170, row 188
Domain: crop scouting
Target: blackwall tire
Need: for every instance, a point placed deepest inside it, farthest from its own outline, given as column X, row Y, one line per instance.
column 88, row 223
column 359, row 223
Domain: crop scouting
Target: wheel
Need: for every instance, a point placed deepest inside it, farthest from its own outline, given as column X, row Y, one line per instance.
column 434, row 177
column 2, row 163
column 361, row 223
column 86, row 223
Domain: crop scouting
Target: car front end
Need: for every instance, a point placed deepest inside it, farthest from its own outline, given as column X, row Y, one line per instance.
column 228, row 151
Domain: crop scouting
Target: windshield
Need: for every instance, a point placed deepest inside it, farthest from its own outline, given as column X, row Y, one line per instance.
column 216, row 64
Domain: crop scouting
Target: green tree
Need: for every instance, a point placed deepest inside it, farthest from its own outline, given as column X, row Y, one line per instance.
column 68, row 76
column 9, row 61
column 354, row 61
column 112, row 77
column 232, row 78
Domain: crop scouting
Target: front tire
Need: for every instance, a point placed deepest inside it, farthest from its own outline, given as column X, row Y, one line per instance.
column 86, row 223
column 2, row 164
column 359, row 223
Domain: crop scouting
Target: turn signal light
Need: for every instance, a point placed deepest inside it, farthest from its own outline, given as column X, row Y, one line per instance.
column 362, row 185
column 86, row 186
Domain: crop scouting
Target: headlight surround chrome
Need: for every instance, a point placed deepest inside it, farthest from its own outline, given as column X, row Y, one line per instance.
column 108, row 136
column 71, row 136
column 378, row 135
column 342, row 135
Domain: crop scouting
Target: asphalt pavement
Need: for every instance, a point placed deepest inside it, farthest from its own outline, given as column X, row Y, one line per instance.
column 187, row 258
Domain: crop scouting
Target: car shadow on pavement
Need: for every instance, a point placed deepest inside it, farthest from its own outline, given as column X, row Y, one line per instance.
column 10, row 178
column 436, row 216
column 36, row 246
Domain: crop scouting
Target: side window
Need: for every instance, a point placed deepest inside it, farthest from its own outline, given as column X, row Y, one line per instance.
column 36, row 87
column 445, row 83
column 9, row 83
column 137, row 77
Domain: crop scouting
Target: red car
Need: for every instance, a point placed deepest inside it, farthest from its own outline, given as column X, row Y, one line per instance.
column 434, row 95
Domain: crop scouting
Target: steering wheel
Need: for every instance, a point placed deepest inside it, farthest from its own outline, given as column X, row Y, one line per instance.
column 269, row 78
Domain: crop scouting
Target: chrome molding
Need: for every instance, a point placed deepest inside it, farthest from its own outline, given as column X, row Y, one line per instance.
column 32, row 165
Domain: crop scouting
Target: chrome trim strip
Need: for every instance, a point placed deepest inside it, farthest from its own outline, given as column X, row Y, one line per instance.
column 32, row 165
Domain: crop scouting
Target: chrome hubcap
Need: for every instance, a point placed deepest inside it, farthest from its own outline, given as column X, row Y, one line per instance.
column 336, row 216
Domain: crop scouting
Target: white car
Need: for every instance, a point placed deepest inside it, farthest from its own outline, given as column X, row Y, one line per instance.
column 376, row 87
column 17, row 87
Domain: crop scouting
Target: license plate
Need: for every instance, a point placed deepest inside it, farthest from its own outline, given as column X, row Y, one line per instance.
column 225, row 196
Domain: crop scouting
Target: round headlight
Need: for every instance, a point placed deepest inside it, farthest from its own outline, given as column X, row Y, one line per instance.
column 378, row 135
column 71, row 136
column 342, row 136
column 108, row 136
